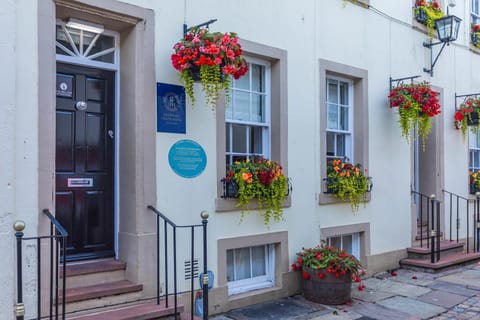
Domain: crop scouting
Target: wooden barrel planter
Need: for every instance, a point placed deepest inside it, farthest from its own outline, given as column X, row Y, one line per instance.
column 329, row 289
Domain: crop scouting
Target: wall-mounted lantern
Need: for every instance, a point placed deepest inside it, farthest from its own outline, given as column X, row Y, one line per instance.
column 447, row 28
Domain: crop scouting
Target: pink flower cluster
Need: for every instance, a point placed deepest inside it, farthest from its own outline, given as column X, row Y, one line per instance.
column 199, row 48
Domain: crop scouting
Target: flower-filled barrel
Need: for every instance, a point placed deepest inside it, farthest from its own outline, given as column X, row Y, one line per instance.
column 327, row 274
column 213, row 58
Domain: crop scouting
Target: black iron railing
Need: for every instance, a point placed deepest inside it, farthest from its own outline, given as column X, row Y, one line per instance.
column 460, row 210
column 429, row 223
column 170, row 229
column 57, row 247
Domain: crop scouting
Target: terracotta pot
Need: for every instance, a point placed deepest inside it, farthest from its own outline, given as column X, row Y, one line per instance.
column 328, row 290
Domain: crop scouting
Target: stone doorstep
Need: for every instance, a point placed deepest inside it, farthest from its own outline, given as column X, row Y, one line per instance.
column 93, row 266
column 445, row 262
column 144, row 311
column 100, row 290
column 446, row 248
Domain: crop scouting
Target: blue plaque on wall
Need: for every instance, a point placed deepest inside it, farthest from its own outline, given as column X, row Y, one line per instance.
column 187, row 158
column 170, row 108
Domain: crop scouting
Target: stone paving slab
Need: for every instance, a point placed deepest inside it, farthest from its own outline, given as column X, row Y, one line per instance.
column 467, row 278
column 413, row 307
column 442, row 298
column 371, row 295
column 375, row 311
column 453, row 288
column 409, row 276
column 279, row 309
column 395, row 287
column 340, row 315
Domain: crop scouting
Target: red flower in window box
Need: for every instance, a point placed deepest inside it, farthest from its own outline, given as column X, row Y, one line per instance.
column 213, row 58
column 263, row 180
column 417, row 103
column 348, row 182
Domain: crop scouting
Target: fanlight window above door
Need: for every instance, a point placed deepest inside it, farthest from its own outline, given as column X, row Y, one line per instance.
column 81, row 45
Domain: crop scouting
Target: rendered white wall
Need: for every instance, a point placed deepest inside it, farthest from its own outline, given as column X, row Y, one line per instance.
column 344, row 33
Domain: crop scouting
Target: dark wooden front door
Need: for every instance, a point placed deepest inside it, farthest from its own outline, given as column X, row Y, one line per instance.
column 85, row 159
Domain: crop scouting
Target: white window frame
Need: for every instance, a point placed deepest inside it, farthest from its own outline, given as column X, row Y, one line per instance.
column 266, row 126
column 349, row 134
column 79, row 59
column 475, row 11
column 473, row 150
column 260, row 282
column 355, row 243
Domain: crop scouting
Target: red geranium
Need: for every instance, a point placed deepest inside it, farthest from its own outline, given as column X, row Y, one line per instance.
column 328, row 260
column 416, row 103
column 216, row 57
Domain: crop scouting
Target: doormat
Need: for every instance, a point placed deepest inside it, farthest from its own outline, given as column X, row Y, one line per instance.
column 286, row 308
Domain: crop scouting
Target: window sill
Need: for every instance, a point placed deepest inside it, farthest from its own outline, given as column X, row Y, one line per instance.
column 474, row 49
column 326, row 198
column 226, row 205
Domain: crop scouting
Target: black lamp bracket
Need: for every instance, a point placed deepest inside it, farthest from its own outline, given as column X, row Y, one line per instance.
column 205, row 24
column 464, row 97
column 433, row 61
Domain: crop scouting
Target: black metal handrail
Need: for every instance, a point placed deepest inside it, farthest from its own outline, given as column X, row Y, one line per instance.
column 433, row 223
column 456, row 207
column 205, row 280
column 58, row 240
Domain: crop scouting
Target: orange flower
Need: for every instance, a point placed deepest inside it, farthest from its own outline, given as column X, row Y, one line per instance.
column 247, row 177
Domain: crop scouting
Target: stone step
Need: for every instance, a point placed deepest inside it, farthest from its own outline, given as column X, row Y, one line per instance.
column 446, row 248
column 144, row 311
column 93, row 266
column 76, row 294
column 93, row 272
column 450, row 261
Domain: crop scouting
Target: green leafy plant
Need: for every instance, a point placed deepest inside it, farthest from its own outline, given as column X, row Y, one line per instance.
column 213, row 58
column 347, row 182
column 463, row 116
column 427, row 12
column 263, row 180
column 328, row 259
column 417, row 103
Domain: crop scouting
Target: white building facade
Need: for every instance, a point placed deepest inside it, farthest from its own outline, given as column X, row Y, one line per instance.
column 301, row 55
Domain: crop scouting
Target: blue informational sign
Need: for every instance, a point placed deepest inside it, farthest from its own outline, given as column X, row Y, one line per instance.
column 170, row 108
column 187, row 158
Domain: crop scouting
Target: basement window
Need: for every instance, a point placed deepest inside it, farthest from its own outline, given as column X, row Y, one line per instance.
column 250, row 268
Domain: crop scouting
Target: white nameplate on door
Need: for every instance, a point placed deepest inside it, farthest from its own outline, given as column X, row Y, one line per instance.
column 79, row 182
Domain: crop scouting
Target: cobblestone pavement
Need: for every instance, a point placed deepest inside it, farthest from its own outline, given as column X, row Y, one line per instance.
column 400, row 295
